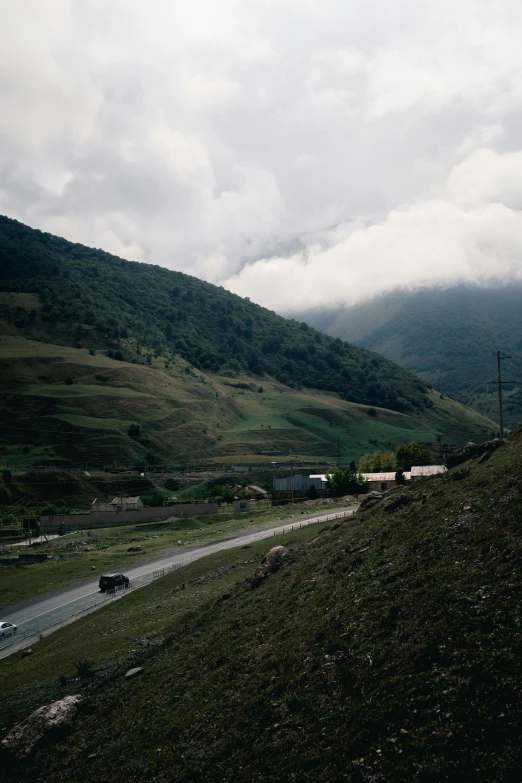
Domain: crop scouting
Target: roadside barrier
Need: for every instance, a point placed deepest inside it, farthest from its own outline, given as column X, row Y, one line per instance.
column 306, row 522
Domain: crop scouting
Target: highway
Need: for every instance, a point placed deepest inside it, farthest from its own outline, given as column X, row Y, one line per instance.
column 52, row 611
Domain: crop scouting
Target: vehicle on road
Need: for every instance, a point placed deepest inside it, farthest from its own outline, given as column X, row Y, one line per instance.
column 7, row 629
column 110, row 581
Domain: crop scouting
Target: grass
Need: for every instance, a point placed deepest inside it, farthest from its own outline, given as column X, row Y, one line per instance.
column 75, row 555
column 114, row 632
column 187, row 414
column 385, row 650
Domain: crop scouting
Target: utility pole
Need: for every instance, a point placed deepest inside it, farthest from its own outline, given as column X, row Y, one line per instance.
column 500, row 383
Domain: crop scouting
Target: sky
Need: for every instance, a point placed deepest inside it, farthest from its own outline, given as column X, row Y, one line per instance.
column 303, row 153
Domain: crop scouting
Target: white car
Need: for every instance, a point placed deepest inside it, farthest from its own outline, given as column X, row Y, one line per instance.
column 7, row 629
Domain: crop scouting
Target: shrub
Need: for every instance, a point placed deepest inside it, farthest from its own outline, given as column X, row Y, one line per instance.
column 371, row 412
column 134, row 431
column 84, row 668
column 92, row 352
column 69, row 381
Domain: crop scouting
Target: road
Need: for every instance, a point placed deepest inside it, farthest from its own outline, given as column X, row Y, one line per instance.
column 34, row 617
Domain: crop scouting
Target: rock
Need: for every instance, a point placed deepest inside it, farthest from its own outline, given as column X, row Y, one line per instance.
column 93, row 568
column 271, row 562
column 27, row 653
column 133, row 672
column 471, row 450
column 22, row 738
column 370, row 499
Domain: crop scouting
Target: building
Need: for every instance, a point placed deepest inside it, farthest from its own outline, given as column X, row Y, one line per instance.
column 386, row 480
column 241, row 504
column 322, row 478
column 380, row 481
column 257, row 490
column 423, row 471
column 118, row 504
column 298, row 487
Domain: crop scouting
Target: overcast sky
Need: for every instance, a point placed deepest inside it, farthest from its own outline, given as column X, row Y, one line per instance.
column 299, row 152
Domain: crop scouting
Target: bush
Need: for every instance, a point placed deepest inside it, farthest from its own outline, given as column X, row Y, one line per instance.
column 134, row 431
column 7, row 476
column 371, row 412
column 92, row 352
column 84, row 668
column 69, row 381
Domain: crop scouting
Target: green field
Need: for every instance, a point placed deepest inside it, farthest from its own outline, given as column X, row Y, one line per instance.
column 188, row 415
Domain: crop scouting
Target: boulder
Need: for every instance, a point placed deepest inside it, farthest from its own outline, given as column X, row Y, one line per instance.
column 271, row 562
column 370, row 500
column 22, row 738
column 133, row 672
column 471, row 450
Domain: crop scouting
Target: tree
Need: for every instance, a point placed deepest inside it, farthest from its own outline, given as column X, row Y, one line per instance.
column 388, row 462
column 399, row 477
column 366, row 463
column 345, row 482
column 410, row 454
column 134, row 431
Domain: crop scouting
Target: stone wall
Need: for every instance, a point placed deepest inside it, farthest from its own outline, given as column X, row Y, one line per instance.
column 51, row 523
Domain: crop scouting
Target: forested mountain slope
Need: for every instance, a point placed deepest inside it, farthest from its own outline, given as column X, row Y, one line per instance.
column 88, row 296
column 449, row 337
column 92, row 345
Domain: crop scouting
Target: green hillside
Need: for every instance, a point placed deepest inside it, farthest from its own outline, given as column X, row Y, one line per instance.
column 385, row 649
column 108, row 362
column 448, row 337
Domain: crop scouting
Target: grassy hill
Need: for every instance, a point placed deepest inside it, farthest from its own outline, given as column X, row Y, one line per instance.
column 385, row 650
column 91, row 345
column 188, row 415
column 448, row 337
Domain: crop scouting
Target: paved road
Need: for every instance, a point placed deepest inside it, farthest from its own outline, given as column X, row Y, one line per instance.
column 49, row 611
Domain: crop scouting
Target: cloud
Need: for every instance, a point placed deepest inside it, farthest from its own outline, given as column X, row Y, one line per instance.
column 473, row 231
column 225, row 139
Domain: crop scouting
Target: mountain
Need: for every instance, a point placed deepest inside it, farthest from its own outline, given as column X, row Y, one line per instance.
column 109, row 361
column 448, row 337
column 384, row 649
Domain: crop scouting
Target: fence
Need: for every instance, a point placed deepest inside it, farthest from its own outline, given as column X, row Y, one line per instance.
column 306, row 522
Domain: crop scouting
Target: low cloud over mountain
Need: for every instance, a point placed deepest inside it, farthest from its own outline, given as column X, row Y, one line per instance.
column 221, row 139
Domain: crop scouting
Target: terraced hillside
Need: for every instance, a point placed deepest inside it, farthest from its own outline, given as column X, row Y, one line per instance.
column 185, row 414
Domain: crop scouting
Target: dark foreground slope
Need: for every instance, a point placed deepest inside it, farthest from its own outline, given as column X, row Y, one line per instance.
column 387, row 650
column 450, row 337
